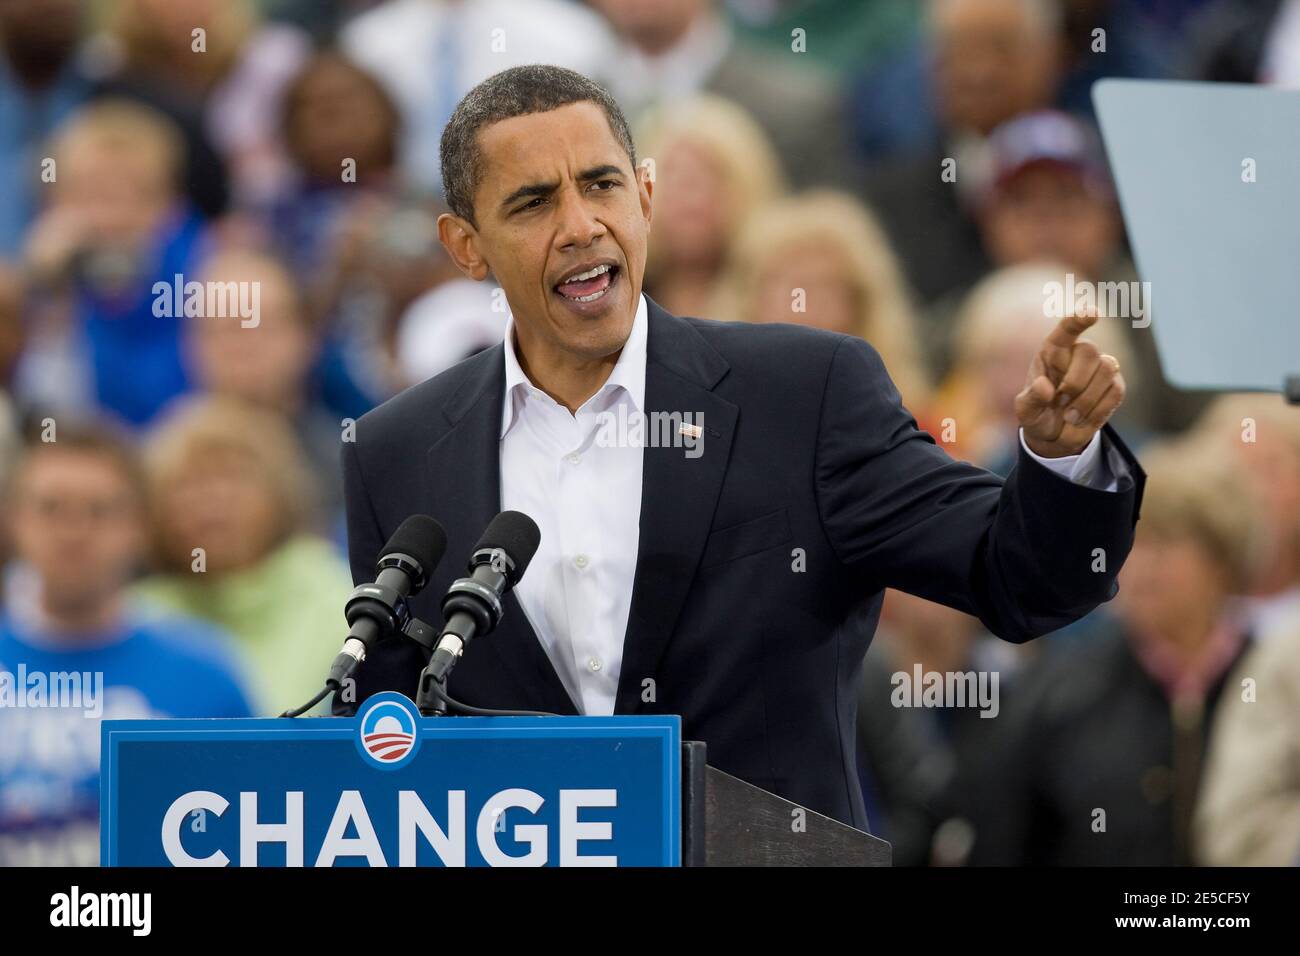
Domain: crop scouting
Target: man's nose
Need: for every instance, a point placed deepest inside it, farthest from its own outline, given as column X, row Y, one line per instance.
column 578, row 227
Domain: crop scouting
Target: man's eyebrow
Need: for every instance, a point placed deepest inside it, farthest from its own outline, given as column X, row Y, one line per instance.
column 545, row 189
column 532, row 189
column 596, row 172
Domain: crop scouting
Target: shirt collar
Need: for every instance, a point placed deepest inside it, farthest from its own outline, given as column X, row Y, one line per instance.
column 628, row 372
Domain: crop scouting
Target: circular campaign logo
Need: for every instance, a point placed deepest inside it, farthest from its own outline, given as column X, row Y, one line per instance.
column 388, row 730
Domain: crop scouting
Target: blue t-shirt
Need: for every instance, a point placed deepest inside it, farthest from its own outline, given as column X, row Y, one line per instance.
column 153, row 666
column 136, row 355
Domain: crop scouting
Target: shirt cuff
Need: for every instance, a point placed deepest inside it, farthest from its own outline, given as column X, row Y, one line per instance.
column 1088, row 468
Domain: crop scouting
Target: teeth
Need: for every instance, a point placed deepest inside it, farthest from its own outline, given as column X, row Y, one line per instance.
column 589, row 274
column 587, row 298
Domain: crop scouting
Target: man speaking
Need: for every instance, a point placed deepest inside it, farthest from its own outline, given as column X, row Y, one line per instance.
column 734, row 573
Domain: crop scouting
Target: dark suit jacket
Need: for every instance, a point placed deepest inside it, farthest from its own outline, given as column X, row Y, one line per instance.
column 762, row 561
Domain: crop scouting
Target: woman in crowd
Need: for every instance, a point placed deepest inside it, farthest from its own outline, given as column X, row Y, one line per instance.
column 1263, row 433
column 713, row 165
column 270, row 364
column 229, row 499
column 821, row 259
column 1101, row 756
column 341, row 130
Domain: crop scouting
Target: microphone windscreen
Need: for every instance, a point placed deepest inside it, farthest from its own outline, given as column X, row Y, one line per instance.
column 517, row 535
column 419, row 537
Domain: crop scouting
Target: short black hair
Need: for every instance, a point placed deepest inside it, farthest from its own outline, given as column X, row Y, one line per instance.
column 518, row 91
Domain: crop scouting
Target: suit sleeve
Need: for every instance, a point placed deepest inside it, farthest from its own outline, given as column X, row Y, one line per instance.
column 365, row 540
column 1025, row 556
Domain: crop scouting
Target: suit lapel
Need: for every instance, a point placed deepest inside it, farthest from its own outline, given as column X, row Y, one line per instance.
column 678, row 498
column 678, row 494
column 465, row 494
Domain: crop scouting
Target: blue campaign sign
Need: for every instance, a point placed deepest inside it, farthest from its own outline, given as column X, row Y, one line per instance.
column 391, row 788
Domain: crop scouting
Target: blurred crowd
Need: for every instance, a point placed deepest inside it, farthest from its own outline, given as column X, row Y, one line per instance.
column 914, row 172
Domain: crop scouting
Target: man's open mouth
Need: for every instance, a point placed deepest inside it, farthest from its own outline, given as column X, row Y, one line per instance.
column 588, row 285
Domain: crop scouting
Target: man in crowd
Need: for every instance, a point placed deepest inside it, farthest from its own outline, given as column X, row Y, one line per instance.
column 73, row 652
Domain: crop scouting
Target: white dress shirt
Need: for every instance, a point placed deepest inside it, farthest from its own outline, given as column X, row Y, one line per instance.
column 585, row 496
column 1089, row 467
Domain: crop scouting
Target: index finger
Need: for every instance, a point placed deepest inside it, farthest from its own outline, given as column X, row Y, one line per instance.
column 1069, row 329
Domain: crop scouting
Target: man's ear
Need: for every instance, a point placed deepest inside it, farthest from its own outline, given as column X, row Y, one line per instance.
column 460, row 239
column 645, row 180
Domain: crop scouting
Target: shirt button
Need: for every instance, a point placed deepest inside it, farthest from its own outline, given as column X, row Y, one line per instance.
column 594, row 663
column 573, row 458
column 581, row 561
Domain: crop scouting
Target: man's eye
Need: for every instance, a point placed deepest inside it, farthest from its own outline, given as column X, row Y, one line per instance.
column 532, row 203
column 604, row 184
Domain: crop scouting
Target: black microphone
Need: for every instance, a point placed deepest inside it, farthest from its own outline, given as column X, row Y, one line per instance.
column 379, row 609
column 472, row 606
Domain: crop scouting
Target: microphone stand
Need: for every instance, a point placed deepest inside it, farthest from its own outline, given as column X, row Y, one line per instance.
column 432, row 699
column 429, row 703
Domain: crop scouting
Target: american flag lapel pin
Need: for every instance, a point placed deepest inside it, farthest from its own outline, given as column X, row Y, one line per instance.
column 687, row 430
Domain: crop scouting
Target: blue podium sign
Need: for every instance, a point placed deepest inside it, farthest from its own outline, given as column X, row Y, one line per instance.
column 391, row 788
